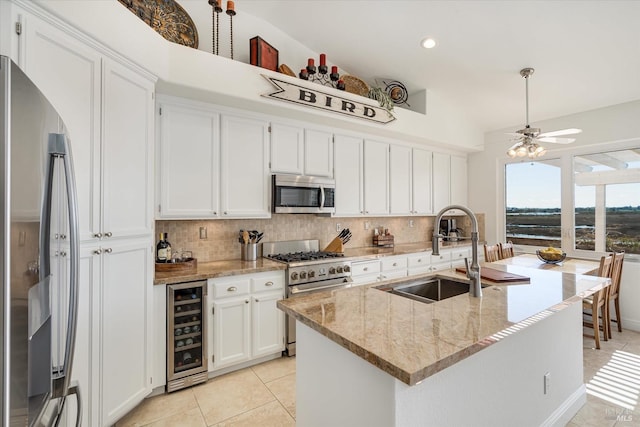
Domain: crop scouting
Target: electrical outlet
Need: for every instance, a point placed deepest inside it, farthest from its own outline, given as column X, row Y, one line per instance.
column 338, row 228
column 367, row 225
column 410, row 223
column 547, row 382
column 203, row 232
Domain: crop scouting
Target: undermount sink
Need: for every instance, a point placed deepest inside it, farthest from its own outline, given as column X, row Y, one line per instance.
column 431, row 289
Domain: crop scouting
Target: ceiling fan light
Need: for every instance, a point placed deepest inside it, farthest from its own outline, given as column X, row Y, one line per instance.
column 542, row 152
column 521, row 151
column 540, row 149
column 511, row 153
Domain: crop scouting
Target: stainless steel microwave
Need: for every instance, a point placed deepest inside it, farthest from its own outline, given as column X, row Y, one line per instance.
column 303, row 194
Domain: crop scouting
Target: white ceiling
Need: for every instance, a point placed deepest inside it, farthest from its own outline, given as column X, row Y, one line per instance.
column 586, row 53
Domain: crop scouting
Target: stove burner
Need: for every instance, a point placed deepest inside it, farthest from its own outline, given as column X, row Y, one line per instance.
column 304, row 256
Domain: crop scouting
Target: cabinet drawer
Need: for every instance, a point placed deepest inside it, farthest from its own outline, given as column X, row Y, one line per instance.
column 460, row 254
column 367, row 267
column 397, row 274
column 442, row 258
column 393, row 263
column 267, row 282
column 419, row 260
column 230, row 287
column 365, row 279
column 439, row 267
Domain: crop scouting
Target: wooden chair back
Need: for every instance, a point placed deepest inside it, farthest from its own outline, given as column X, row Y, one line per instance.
column 491, row 253
column 616, row 274
column 506, row 250
column 606, row 264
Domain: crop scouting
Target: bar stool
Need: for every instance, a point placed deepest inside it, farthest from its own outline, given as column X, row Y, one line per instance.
column 492, row 253
column 599, row 301
column 506, row 250
column 614, row 290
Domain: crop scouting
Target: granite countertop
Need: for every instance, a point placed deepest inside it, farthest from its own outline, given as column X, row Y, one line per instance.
column 400, row 249
column 412, row 340
column 208, row 270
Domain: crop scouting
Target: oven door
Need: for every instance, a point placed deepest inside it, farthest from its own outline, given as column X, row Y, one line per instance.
column 306, row 289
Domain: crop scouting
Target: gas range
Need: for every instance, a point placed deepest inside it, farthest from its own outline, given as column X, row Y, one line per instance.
column 306, row 263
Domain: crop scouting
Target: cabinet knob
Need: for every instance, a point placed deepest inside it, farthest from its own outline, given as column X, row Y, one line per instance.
column 232, row 289
column 63, row 253
column 419, row 259
column 365, row 269
column 108, row 250
column 97, row 251
column 395, row 264
column 257, row 300
column 246, row 301
column 215, row 213
column 269, row 283
column 108, row 234
column 224, row 213
column 97, row 235
column 63, row 236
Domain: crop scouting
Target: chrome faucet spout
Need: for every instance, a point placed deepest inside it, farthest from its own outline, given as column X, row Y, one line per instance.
column 473, row 271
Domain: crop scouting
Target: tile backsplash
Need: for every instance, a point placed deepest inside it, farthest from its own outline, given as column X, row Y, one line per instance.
column 221, row 242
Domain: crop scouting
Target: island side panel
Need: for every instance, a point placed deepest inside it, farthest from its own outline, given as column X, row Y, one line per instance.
column 336, row 388
column 503, row 385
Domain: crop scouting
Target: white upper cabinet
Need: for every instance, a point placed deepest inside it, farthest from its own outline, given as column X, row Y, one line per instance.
column 458, row 180
column 301, row 151
column 421, row 169
column 189, row 150
column 441, row 181
column 318, row 153
column 349, row 175
column 287, row 149
column 244, row 167
column 376, row 178
column 400, row 185
column 127, row 152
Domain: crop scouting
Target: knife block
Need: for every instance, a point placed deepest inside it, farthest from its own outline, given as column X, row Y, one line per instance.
column 335, row 246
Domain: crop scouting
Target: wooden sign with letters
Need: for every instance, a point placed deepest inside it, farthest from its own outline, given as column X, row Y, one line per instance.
column 324, row 100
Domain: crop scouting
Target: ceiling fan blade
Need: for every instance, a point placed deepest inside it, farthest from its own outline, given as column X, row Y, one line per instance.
column 562, row 132
column 519, row 135
column 554, row 140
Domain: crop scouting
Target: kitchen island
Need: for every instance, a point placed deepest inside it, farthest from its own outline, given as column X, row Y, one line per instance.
column 368, row 357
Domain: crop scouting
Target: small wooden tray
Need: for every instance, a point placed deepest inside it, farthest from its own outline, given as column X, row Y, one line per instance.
column 386, row 241
column 189, row 264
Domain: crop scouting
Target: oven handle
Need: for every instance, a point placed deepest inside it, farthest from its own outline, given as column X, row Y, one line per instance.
column 344, row 283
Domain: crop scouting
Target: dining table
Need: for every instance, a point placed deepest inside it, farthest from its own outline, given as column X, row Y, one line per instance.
column 568, row 265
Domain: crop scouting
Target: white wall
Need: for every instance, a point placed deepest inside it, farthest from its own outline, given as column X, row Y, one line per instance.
column 614, row 127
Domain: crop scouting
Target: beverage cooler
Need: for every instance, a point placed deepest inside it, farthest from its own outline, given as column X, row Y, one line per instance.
column 186, row 335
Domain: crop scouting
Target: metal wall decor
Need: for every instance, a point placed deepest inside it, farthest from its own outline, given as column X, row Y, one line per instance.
column 216, row 8
column 397, row 92
column 167, row 18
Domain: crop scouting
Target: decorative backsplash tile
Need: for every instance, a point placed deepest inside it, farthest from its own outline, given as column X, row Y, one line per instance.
column 222, row 235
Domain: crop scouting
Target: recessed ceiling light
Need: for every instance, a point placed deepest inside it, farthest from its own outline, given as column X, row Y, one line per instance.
column 428, row 43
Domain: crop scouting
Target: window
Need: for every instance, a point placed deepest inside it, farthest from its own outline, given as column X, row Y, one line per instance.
column 601, row 209
column 607, row 201
column 533, row 203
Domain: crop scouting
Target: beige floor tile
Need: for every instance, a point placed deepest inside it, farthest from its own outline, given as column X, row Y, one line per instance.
column 230, row 395
column 276, row 368
column 595, row 413
column 270, row 415
column 158, row 407
column 285, row 391
column 191, row 418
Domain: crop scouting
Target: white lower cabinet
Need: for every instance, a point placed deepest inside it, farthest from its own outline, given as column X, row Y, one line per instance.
column 365, row 272
column 244, row 321
column 419, row 263
column 393, row 267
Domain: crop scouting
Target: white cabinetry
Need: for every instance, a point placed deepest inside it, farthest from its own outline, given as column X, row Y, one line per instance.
column 188, row 149
column 421, row 169
column 301, row 151
column 318, row 153
column 458, row 180
column 376, row 178
column 393, row 267
column 419, row 263
column 400, row 191
column 349, row 174
column 245, row 322
column 364, row 272
column 449, row 181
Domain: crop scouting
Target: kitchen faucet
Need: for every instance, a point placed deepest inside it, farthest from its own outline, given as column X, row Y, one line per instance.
column 473, row 272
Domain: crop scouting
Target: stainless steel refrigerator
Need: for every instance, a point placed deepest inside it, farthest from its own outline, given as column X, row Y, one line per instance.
column 38, row 256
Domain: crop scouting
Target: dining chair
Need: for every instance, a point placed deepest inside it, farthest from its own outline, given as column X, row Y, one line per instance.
column 614, row 290
column 492, row 253
column 506, row 250
column 598, row 303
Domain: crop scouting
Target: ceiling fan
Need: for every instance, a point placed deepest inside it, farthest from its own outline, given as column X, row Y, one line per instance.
column 529, row 137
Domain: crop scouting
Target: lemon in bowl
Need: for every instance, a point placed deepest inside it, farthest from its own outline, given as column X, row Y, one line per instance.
column 551, row 255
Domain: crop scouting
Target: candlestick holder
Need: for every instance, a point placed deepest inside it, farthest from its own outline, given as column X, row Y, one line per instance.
column 215, row 25
column 321, row 74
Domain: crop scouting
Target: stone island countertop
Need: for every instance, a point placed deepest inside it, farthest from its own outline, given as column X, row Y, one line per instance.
column 412, row 340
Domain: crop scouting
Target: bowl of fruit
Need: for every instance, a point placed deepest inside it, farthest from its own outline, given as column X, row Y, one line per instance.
column 551, row 255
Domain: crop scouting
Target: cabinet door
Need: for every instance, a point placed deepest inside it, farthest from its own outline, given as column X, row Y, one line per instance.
column 125, row 349
column 348, row 175
column 231, row 329
column 400, row 180
column 318, row 153
column 68, row 73
column 267, row 324
column 376, row 178
column 188, row 176
column 421, row 173
column 159, row 326
column 245, row 168
column 287, row 149
column 127, row 152
column 458, row 180
column 441, row 181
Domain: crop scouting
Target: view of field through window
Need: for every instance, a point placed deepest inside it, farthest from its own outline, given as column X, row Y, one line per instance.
column 606, row 199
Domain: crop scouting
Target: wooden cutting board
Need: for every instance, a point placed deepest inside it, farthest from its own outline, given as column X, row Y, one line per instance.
column 497, row 276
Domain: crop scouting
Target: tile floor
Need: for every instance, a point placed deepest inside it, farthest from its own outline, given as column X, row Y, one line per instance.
column 264, row 395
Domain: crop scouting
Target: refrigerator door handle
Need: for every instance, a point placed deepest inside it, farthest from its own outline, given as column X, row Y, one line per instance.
column 74, row 388
column 59, row 148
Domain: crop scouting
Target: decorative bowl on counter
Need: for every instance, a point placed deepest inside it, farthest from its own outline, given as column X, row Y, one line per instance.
column 551, row 256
